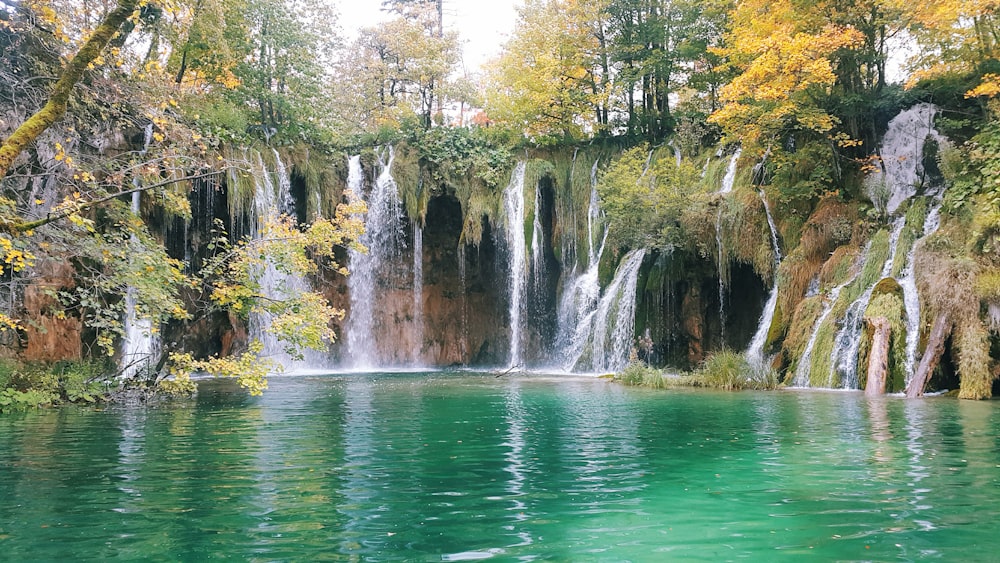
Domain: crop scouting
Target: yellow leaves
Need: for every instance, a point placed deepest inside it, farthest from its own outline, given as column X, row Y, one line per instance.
column 988, row 88
column 249, row 369
column 783, row 54
column 13, row 257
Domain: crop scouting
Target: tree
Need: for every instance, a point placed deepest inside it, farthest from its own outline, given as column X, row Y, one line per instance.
column 544, row 83
column 398, row 69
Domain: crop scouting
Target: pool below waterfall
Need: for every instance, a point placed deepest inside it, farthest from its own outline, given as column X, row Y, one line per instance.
column 449, row 466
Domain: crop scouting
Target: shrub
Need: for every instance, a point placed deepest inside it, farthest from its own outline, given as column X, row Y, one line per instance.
column 731, row 371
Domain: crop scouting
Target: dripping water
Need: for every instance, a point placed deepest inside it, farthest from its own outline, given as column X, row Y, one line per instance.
column 418, row 290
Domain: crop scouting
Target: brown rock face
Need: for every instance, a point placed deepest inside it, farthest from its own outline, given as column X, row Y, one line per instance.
column 694, row 323
column 49, row 336
column 462, row 313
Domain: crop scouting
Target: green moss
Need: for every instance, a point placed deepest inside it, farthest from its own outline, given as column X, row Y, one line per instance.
column 821, row 372
column 887, row 302
column 913, row 229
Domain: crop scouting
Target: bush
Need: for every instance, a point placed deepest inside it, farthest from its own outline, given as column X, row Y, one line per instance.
column 639, row 374
column 25, row 386
column 731, row 371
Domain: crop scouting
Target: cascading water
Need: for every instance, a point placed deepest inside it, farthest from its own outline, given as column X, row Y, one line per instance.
column 272, row 198
column 901, row 175
column 418, row 289
column 802, row 372
column 844, row 357
column 911, row 298
column 603, row 339
column 513, row 200
column 727, row 186
column 383, row 237
column 755, row 352
column 901, row 154
column 140, row 344
column 537, row 242
column 730, row 178
column 581, row 291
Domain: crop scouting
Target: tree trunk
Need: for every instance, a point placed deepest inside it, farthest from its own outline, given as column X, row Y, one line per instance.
column 58, row 100
column 878, row 359
column 932, row 355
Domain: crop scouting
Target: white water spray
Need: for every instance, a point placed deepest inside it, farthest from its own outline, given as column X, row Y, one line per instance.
column 755, row 352
column 383, row 238
column 513, row 200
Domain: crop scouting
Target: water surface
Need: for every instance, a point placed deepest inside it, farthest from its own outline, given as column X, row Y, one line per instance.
column 463, row 466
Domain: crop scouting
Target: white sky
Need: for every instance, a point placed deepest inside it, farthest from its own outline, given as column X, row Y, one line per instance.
column 483, row 25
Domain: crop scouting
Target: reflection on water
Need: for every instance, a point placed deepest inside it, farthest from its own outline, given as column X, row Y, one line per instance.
column 464, row 466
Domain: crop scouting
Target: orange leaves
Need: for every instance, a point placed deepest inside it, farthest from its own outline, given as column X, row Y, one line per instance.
column 783, row 53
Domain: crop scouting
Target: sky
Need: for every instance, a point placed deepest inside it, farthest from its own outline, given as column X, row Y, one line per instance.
column 483, row 25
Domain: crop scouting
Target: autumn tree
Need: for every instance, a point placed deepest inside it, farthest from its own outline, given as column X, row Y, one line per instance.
column 398, row 69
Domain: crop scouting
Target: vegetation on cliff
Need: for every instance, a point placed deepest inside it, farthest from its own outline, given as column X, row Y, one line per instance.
column 180, row 100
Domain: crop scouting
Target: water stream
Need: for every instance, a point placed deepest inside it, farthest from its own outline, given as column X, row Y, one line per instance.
column 140, row 346
column 513, row 201
column 755, row 352
column 603, row 339
column 383, row 238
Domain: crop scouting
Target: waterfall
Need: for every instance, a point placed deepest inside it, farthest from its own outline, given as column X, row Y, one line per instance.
column 383, row 237
column 730, row 178
column 911, row 298
column 604, row 338
column 272, row 199
column 464, row 327
column 902, row 148
column 537, row 245
column 844, row 357
column 755, row 352
column 802, row 372
column 418, row 290
column 725, row 188
column 513, row 200
column 581, row 291
column 722, row 278
column 140, row 345
column 594, row 215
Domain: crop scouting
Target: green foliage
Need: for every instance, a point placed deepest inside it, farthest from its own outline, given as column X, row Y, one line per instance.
column 640, row 374
column 644, row 203
column 731, row 371
column 26, row 386
column 457, row 152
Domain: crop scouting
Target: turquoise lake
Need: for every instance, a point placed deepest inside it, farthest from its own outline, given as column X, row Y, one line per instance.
column 464, row 466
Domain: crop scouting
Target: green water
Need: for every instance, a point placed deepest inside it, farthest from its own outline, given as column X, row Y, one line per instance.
column 445, row 467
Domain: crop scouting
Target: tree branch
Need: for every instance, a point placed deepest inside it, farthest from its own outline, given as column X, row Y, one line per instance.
column 58, row 100
column 22, row 226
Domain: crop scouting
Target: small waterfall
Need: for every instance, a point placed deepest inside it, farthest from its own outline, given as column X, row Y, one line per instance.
column 911, row 298
column 730, row 178
column 581, row 291
column 604, row 338
column 272, row 199
column 755, row 352
column 140, row 346
column 418, row 290
column 722, row 278
column 537, row 245
column 844, row 358
column 594, row 216
column 901, row 154
column 727, row 186
column 383, row 238
column 513, row 200
column 464, row 328
column 677, row 152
